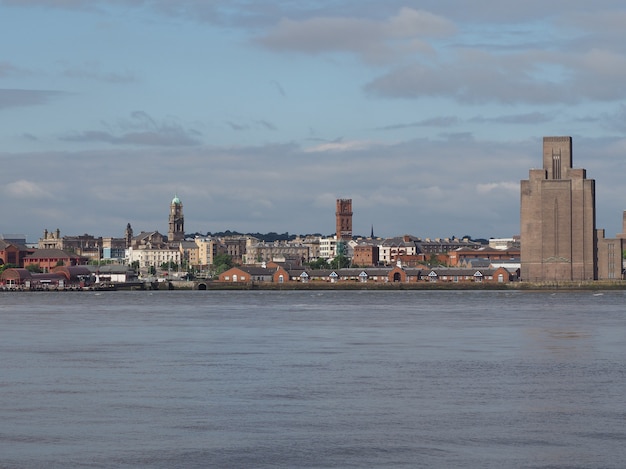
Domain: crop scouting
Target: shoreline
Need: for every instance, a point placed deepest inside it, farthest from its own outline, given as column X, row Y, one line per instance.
column 469, row 286
column 346, row 286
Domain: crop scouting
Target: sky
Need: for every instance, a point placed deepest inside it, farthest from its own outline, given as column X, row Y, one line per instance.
column 259, row 114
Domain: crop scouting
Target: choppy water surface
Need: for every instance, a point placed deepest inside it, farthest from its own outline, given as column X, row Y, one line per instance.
column 313, row 379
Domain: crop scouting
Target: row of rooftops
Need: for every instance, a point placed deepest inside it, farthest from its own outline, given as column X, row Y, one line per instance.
column 355, row 272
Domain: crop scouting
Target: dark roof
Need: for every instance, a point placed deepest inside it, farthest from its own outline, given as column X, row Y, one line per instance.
column 72, row 272
column 188, row 244
column 463, row 272
column 252, row 270
column 15, row 274
column 51, row 254
column 353, row 271
column 147, row 234
column 400, row 241
column 20, row 247
column 111, row 269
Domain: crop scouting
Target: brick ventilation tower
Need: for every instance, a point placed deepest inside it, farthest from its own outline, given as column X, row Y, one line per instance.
column 558, row 218
column 343, row 217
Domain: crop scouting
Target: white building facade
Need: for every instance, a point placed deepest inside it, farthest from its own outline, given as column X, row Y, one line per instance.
column 154, row 257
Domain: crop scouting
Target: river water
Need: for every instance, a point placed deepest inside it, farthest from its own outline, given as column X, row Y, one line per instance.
column 305, row 379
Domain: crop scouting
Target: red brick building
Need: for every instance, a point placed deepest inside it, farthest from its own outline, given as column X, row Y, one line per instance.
column 365, row 255
column 61, row 277
column 11, row 253
column 48, row 259
column 248, row 274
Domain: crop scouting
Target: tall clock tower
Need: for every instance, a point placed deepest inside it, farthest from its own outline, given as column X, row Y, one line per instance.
column 176, row 230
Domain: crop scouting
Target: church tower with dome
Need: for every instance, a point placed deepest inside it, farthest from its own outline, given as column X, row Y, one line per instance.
column 176, row 230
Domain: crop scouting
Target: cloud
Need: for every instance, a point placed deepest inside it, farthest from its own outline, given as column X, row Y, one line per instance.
column 260, row 124
column 237, row 127
column 475, row 76
column 444, row 121
column 373, row 41
column 512, row 187
column 144, row 130
column 92, row 71
column 515, row 119
column 266, row 125
column 7, row 68
column 612, row 120
column 24, row 189
column 341, row 146
column 442, row 187
column 451, row 121
column 11, row 98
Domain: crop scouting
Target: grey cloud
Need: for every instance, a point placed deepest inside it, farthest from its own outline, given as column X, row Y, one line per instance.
column 253, row 125
column 10, row 98
column 93, row 73
column 614, row 121
column 528, row 118
column 264, row 12
column 488, row 11
column 266, row 125
column 46, row 3
column 168, row 137
column 237, row 127
column 374, row 41
column 449, row 121
column 458, row 136
column 141, row 129
column 224, row 12
column 7, row 68
column 480, row 77
column 445, row 121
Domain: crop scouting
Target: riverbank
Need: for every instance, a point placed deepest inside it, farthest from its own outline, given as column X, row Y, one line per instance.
column 390, row 286
column 393, row 286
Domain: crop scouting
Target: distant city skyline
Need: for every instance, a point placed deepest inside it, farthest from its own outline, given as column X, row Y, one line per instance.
column 259, row 115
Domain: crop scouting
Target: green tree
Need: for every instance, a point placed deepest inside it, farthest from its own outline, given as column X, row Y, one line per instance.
column 433, row 260
column 223, row 259
column 220, row 268
column 320, row 263
column 171, row 265
column 221, row 263
column 4, row 267
column 340, row 262
column 34, row 268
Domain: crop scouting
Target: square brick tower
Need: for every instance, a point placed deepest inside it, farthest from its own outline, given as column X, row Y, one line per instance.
column 343, row 217
column 558, row 218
